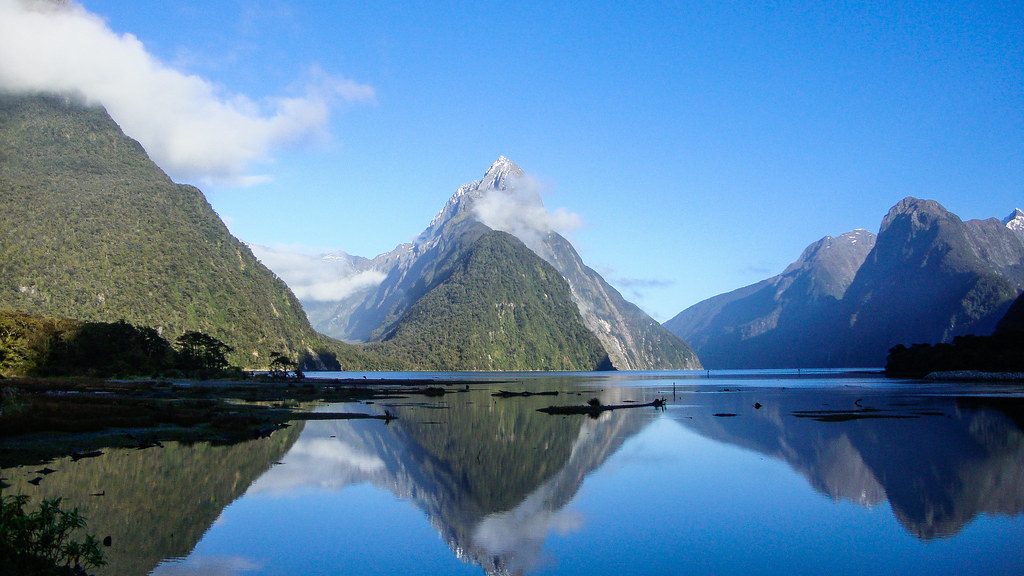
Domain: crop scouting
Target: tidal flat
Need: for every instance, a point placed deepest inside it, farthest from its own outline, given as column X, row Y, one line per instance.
column 738, row 473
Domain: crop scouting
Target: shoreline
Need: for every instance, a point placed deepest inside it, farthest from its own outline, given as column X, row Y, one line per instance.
column 976, row 376
column 46, row 418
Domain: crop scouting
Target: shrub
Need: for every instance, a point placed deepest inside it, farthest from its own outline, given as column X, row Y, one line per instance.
column 40, row 542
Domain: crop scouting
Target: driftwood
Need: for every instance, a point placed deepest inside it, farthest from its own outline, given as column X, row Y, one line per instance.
column 594, row 407
column 507, row 394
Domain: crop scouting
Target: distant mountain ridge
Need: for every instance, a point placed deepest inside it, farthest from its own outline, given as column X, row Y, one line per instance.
column 926, row 277
column 502, row 200
column 766, row 324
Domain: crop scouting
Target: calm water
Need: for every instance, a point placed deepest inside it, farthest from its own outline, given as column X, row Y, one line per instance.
column 741, row 474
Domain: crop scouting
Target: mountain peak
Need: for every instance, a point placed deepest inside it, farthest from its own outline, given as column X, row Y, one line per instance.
column 921, row 214
column 1015, row 221
column 841, row 255
column 498, row 174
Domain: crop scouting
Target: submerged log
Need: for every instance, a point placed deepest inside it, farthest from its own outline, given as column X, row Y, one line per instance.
column 507, row 394
column 76, row 456
column 594, row 407
column 387, row 415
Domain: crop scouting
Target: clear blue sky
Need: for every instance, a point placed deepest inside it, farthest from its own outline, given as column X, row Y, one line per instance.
column 704, row 144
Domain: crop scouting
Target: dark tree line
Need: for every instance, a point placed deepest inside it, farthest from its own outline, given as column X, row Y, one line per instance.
column 1003, row 351
column 43, row 346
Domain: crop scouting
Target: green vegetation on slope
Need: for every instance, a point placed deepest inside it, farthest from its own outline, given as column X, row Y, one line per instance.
column 501, row 308
column 92, row 229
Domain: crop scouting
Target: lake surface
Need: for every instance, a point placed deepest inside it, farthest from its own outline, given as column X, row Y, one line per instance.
column 742, row 473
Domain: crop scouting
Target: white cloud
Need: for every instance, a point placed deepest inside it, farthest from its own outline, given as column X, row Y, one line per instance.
column 519, row 211
column 191, row 127
column 314, row 277
column 327, row 463
column 206, row 566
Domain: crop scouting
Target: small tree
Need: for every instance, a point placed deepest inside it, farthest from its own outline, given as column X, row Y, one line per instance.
column 280, row 364
column 199, row 351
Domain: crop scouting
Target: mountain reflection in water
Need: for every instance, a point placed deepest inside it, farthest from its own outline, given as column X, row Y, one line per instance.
column 154, row 503
column 939, row 460
column 515, row 491
column 493, row 475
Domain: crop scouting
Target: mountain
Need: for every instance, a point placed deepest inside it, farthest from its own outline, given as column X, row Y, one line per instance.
column 505, row 200
column 931, row 277
column 777, row 322
column 500, row 308
column 928, row 276
column 91, row 228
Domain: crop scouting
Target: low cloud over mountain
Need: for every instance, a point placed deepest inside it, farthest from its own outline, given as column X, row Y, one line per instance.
column 193, row 128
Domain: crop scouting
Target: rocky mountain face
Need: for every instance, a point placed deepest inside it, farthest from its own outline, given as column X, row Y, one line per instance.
column 777, row 322
column 92, row 229
column 927, row 277
column 504, row 200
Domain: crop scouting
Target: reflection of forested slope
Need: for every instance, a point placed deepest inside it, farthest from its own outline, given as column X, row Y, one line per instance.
column 470, row 462
column 939, row 465
column 157, row 502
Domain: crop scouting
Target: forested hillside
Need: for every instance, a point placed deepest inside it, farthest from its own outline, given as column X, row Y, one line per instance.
column 501, row 308
column 92, row 229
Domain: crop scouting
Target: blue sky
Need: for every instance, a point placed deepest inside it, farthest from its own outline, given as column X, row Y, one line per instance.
column 703, row 145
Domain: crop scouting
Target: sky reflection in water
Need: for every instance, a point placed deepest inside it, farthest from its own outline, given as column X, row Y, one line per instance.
column 642, row 492
column 862, row 477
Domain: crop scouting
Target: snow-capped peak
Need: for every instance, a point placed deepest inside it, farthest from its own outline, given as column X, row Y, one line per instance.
column 498, row 174
column 1015, row 221
column 497, row 177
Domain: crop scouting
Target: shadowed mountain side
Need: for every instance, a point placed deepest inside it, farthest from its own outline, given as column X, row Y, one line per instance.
column 939, row 463
column 778, row 322
column 1013, row 321
column 500, row 308
column 927, row 278
column 931, row 277
column 92, row 229
column 491, row 474
column 158, row 502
